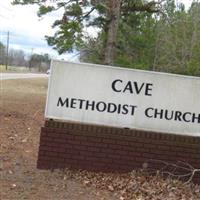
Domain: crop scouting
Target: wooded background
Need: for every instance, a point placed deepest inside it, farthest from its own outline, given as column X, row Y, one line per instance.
column 159, row 35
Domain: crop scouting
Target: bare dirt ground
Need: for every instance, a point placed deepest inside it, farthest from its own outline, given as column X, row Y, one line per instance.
column 21, row 116
column 22, row 104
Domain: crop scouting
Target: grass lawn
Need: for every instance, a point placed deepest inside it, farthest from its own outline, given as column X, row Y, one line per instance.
column 14, row 69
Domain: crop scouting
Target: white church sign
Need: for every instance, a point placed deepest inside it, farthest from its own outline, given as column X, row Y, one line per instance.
column 113, row 96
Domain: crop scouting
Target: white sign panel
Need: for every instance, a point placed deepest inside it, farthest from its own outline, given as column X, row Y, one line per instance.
column 112, row 96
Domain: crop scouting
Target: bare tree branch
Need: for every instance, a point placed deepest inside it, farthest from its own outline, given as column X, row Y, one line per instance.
column 179, row 170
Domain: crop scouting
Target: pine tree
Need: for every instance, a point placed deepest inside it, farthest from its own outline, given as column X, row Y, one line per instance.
column 104, row 14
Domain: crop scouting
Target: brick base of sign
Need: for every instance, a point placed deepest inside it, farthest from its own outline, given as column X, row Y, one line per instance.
column 107, row 149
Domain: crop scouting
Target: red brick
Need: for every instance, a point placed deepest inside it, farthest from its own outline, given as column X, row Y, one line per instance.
column 108, row 141
column 51, row 154
column 114, row 156
column 163, row 147
column 94, row 139
column 47, row 139
column 148, row 155
column 86, row 153
column 100, row 155
column 121, row 152
column 66, row 155
column 115, row 146
column 75, row 142
column 134, row 153
column 59, row 140
column 101, row 145
column 45, row 148
column 80, row 147
column 86, row 143
column 130, row 157
column 69, row 161
column 81, row 138
column 94, row 149
column 123, row 143
column 78, row 157
column 72, row 151
column 97, row 148
column 107, row 150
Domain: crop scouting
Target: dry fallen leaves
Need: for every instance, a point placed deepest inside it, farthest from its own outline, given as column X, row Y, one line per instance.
column 13, row 186
column 137, row 185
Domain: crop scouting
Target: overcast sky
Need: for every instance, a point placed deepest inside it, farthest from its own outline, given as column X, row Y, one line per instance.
column 27, row 31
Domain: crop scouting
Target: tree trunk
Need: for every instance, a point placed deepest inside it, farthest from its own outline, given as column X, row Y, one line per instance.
column 110, row 45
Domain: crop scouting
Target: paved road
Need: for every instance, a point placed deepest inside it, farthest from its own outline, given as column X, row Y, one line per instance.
column 4, row 76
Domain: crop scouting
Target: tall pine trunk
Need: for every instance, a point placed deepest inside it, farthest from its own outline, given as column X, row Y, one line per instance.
column 110, row 44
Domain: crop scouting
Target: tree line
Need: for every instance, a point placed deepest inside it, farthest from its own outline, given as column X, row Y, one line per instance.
column 159, row 35
column 19, row 58
column 167, row 41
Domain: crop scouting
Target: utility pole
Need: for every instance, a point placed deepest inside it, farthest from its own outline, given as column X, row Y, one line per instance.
column 30, row 60
column 7, row 49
